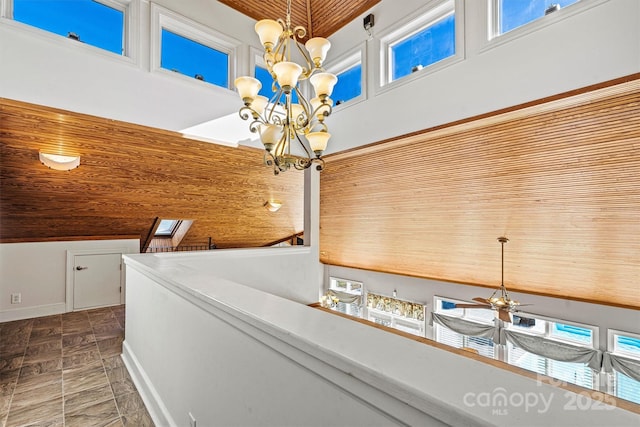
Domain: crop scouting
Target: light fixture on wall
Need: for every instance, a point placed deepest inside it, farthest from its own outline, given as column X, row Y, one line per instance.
column 272, row 205
column 279, row 121
column 59, row 162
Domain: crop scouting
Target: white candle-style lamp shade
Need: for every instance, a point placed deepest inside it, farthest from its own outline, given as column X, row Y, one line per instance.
column 323, row 84
column 59, row 162
column 296, row 111
column 318, row 48
column 248, row 88
column 270, row 135
column 318, row 141
column 269, row 32
column 287, row 74
column 259, row 103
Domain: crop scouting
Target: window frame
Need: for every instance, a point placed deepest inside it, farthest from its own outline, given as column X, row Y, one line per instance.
column 612, row 377
column 170, row 234
column 612, row 334
column 426, row 16
column 162, row 18
column 373, row 314
column 547, row 334
column 492, row 21
column 130, row 30
column 438, row 329
column 345, row 62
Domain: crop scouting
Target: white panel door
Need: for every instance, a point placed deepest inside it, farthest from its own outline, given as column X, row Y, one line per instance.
column 96, row 280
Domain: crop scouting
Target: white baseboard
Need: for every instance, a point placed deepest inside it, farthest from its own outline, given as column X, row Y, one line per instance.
column 29, row 312
column 156, row 408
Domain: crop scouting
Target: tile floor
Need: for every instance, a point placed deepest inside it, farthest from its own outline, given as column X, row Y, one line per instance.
column 65, row 370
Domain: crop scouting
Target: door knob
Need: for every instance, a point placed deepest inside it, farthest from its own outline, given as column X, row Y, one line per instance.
column 81, row 268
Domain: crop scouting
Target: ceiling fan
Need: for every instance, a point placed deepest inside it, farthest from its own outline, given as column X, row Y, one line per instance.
column 497, row 301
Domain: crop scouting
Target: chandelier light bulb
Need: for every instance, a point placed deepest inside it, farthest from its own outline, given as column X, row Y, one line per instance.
column 269, row 32
column 318, row 48
column 270, row 135
column 248, row 88
column 318, row 141
column 323, row 84
column 287, row 74
column 259, row 104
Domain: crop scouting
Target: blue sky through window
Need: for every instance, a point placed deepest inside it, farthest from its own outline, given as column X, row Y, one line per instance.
column 424, row 48
column 192, row 59
column 515, row 13
column 95, row 23
column 349, row 85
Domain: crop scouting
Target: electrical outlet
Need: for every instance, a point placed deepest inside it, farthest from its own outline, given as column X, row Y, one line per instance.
column 192, row 420
column 16, row 298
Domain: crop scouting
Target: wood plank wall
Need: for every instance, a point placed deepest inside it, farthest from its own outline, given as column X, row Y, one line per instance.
column 131, row 174
column 560, row 178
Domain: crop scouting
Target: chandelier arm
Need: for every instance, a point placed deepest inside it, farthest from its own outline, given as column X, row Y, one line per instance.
column 255, row 126
column 300, row 32
column 246, row 112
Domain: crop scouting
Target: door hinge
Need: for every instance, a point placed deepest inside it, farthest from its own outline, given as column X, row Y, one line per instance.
column 120, row 266
column 120, row 289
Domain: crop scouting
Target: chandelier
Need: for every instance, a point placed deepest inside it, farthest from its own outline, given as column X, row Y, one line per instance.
column 280, row 121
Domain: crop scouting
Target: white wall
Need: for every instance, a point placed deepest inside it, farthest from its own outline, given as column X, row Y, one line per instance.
column 50, row 70
column 230, row 354
column 38, row 272
column 600, row 43
column 423, row 290
column 290, row 272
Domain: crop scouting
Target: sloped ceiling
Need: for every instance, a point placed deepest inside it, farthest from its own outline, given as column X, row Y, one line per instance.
column 131, row 174
column 321, row 18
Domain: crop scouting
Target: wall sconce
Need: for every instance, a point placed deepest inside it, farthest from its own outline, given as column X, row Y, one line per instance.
column 59, row 162
column 272, row 205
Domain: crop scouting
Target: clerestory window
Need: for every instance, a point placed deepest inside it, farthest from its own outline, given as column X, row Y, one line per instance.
column 421, row 43
column 351, row 77
column 626, row 345
column 99, row 23
column 187, row 49
column 512, row 14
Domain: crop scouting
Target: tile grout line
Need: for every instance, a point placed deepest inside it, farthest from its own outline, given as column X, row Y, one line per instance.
column 15, row 385
column 105, row 369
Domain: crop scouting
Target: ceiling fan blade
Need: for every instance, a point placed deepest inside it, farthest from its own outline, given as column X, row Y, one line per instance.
column 473, row 306
column 504, row 316
column 481, row 300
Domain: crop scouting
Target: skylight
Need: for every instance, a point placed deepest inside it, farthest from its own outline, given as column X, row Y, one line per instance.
column 167, row 227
